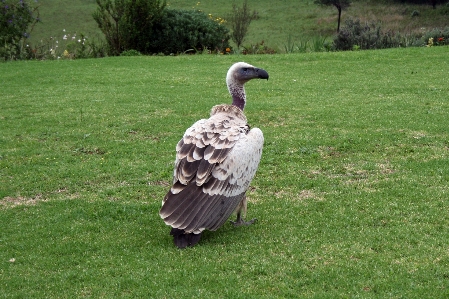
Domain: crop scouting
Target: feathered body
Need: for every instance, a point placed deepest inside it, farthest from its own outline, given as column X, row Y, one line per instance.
column 216, row 161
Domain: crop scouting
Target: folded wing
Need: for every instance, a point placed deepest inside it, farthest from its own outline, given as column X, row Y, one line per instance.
column 216, row 160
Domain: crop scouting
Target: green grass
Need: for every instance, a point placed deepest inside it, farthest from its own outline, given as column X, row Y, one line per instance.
column 351, row 194
column 278, row 21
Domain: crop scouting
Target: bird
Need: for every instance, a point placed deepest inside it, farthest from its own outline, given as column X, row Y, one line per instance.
column 216, row 160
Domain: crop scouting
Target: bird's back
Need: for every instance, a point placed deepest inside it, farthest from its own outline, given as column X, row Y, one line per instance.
column 216, row 160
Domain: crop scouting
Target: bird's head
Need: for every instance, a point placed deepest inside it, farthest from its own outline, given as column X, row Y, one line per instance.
column 238, row 75
column 241, row 72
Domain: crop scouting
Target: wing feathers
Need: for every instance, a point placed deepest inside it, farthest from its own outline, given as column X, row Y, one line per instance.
column 215, row 163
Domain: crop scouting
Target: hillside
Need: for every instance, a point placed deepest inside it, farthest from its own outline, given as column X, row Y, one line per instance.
column 276, row 22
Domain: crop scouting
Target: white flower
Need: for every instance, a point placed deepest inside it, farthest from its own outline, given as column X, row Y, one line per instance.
column 79, row 40
column 64, row 37
column 63, row 30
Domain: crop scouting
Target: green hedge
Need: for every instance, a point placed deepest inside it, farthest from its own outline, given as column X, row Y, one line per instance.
column 182, row 30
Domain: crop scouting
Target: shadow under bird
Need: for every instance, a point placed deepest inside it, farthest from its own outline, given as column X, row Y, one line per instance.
column 216, row 160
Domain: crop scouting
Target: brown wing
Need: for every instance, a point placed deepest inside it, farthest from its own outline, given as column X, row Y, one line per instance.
column 215, row 163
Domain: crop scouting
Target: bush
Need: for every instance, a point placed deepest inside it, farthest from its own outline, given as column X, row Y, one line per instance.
column 240, row 18
column 439, row 36
column 17, row 19
column 182, row 30
column 363, row 37
column 127, row 24
column 258, row 48
column 130, row 53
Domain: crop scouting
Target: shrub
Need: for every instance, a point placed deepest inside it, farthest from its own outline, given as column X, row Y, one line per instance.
column 17, row 19
column 368, row 36
column 258, row 48
column 239, row 19
column 127, row 24
column 182, row 30
column 440, row 36
column 130, row 53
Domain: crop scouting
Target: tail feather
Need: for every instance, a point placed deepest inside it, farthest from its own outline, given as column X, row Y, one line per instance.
column 182, row 239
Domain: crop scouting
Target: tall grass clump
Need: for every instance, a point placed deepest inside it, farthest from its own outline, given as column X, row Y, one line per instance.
column 304, row 45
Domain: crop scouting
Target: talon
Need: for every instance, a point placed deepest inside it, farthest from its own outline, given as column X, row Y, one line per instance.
column 241, row 222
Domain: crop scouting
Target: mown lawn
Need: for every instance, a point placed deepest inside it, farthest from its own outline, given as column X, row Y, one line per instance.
column 351, row 194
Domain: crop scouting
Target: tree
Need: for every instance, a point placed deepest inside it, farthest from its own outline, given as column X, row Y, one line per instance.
column 240, row 18
column 339, row 4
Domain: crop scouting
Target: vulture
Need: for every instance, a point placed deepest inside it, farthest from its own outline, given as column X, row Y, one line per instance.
column 216, row 160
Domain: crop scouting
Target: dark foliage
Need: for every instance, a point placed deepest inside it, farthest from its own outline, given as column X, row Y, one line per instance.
column 428, row 2
column 182, row 30
column 354, row 34
column 17, row 19
column 127, row 24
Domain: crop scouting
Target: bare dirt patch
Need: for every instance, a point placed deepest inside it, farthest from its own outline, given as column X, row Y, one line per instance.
column 10, row 201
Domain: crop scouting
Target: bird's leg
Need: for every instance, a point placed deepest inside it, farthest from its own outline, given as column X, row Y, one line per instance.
column 242, row 209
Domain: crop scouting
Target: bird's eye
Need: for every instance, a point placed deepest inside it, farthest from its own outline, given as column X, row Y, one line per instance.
column 245, row 69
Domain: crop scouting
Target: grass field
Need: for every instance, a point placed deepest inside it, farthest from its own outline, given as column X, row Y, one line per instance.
column 351, row 194
column 298, row 20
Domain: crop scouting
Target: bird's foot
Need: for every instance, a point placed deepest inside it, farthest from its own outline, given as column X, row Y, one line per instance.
column 241, row 222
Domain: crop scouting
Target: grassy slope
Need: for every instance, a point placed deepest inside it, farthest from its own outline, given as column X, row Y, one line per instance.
column 351, row 194
column 297, row 19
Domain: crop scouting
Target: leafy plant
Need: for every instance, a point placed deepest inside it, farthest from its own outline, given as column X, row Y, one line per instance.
column 128, row 24
column 364, row 36
column 179, row 31
column 239, row 19
column 17, row 20
column 258, row 48
column 440, row 37
column 130, row 53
